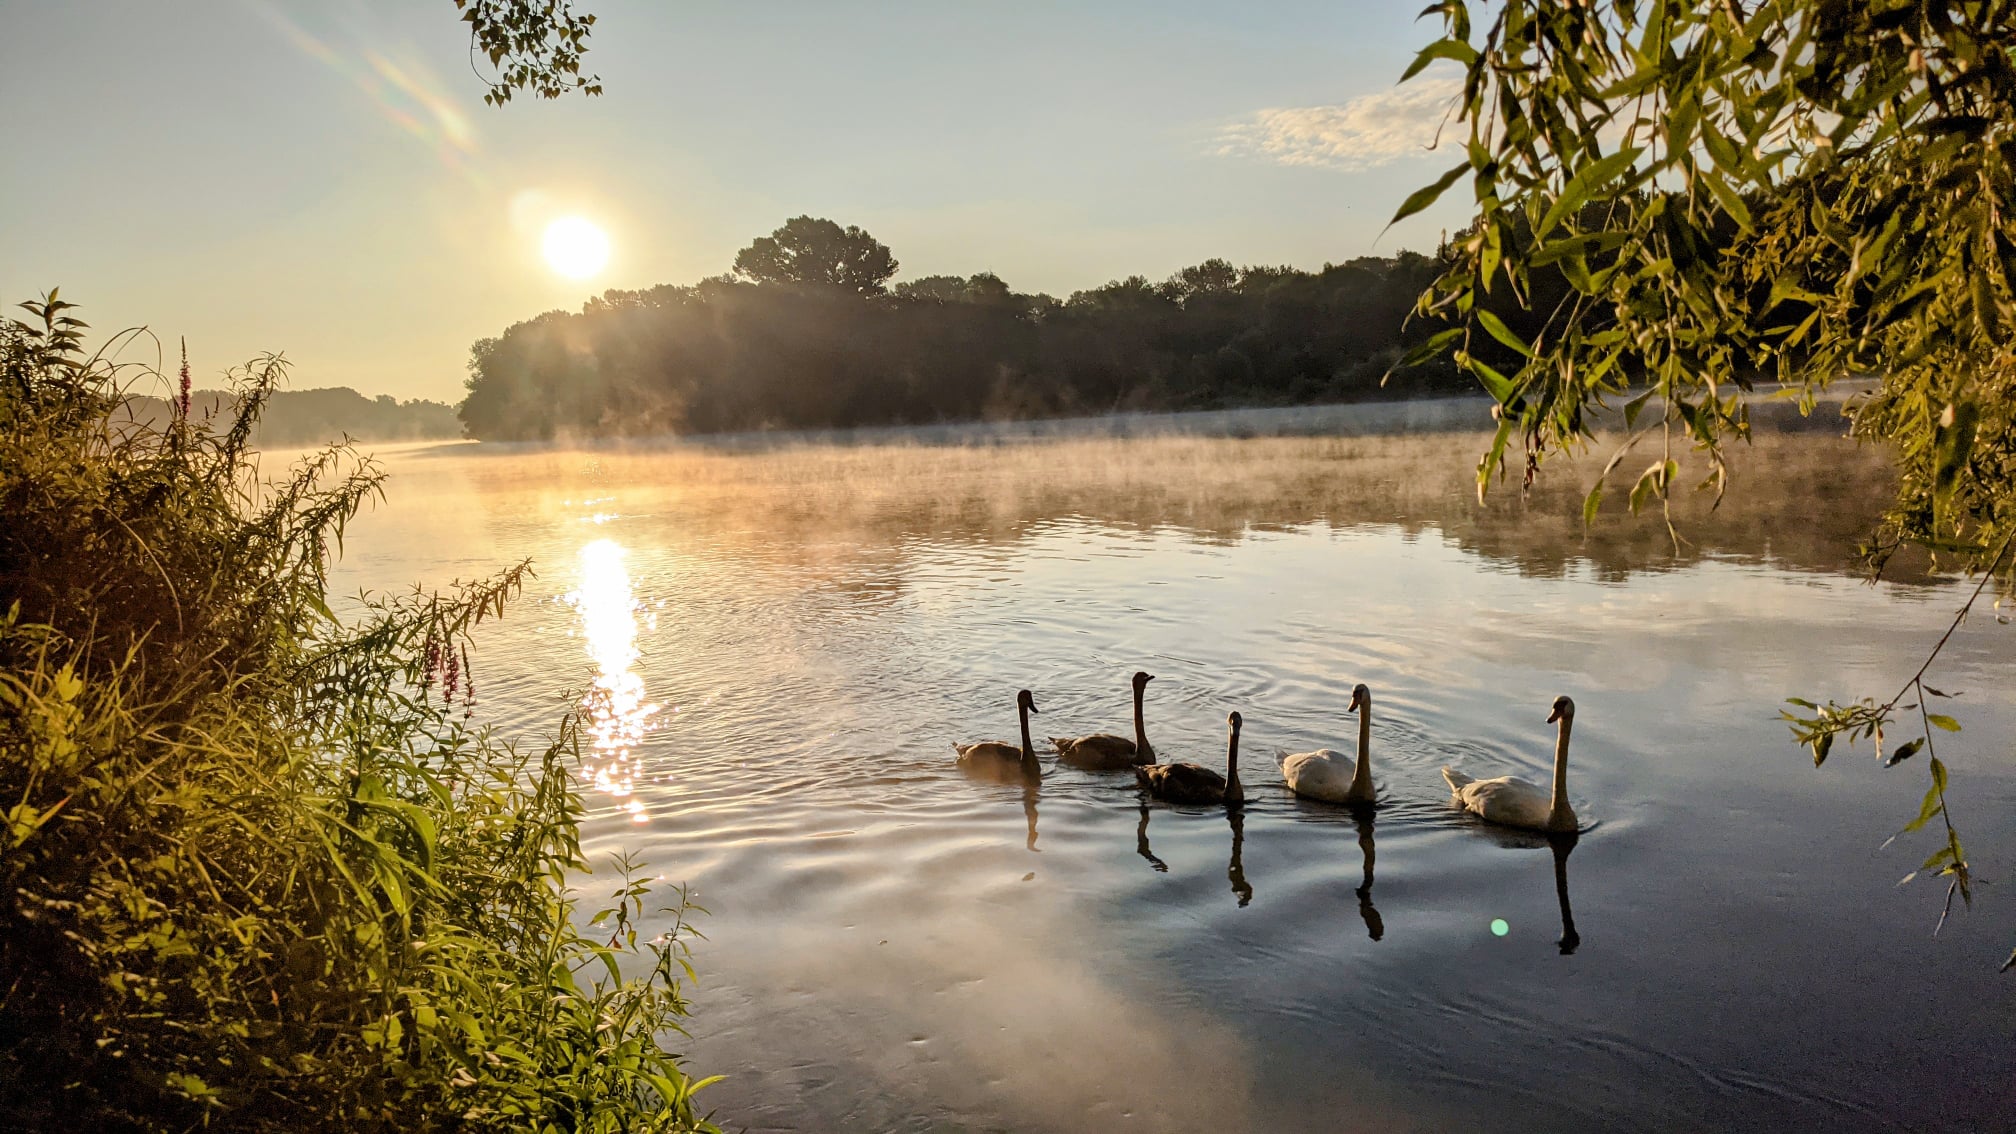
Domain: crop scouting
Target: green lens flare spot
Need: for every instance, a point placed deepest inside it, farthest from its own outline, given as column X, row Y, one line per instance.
column 1499, row 927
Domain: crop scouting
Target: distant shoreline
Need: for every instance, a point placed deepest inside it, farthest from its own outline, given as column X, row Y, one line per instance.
column 1467, row 414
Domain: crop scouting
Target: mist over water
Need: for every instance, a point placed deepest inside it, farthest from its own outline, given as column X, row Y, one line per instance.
column 776, row 646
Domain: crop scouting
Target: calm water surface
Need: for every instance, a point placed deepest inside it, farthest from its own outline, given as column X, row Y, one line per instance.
column 788, row 642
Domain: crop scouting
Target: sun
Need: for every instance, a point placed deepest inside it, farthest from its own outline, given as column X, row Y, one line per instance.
column 575, row 247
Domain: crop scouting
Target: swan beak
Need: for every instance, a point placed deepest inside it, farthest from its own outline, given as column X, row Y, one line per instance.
column 1357, row 702
column 1554, row 716
column 1034, row 709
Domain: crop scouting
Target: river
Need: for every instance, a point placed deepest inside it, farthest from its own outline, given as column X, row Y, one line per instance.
column 787, row 637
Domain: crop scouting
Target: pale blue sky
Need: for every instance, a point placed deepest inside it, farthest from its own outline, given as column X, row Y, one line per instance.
column 323, row 179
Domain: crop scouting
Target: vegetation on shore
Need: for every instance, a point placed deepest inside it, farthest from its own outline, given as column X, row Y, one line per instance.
column 308, row 418
column 257, row 870
column 808, row 334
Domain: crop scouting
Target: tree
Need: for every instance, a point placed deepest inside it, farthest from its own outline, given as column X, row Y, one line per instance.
column 535, row 45
column 984, row 288
column 1797, row 190
column 1212, row 277
column 810, row 250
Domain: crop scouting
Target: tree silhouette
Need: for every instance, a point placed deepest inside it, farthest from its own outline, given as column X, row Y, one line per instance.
column 813, row 250
column 814, row 342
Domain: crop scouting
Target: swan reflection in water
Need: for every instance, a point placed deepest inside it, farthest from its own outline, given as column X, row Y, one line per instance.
column 1235, row 867
column 1375, row 926
column 1029, row 794
column 1235, row 871
column 1562, row 845
column 1141, row 841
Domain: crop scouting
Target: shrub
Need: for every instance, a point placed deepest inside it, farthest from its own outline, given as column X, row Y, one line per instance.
column 257, row 870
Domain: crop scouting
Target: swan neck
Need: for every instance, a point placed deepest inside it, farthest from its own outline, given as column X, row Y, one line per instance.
column 1028, row 749
column 1140, row 725
column 1361, row 776
column 1560, row 806
column 1234, row 793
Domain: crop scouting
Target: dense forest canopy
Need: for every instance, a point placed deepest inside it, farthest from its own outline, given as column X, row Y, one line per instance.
column 807, row 334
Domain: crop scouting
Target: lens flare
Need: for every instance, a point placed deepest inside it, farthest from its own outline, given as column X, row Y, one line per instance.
column 575, row 248
column 1500, row 927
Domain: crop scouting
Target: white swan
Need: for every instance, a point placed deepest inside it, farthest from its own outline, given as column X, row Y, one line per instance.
column 997, row 760
column 1325, row 774
column 1513, row 802
column 1103, row 750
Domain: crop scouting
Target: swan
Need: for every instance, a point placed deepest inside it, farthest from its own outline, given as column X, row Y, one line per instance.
column 998, row 760
column 1513, row 802
column 1193, row 783
column 1324, row 774
column 1103, row 750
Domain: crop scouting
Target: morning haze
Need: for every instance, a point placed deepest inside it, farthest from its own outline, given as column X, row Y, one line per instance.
column 1032, row 567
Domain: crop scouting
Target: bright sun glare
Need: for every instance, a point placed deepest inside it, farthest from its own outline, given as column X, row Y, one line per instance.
column 575, row 248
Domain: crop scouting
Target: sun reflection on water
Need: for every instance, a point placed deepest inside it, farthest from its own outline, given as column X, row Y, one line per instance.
column 617, row 712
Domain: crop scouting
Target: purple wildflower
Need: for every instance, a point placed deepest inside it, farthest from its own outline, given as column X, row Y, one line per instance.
column 182, row 400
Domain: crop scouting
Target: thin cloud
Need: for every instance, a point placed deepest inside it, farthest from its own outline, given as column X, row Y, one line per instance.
column 1366, row 132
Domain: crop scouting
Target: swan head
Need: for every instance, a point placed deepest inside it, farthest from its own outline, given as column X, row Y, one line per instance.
column 1142, row 678
column 1361, row 698
column 1025, row 700
column 1564, row 710
column 1235, row 720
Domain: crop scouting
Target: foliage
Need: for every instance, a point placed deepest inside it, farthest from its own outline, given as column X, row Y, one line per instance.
column 535, row 45
column 299, row 418
column 815, row 251
column 1786, row 190
column 724, row 355
column 257, row 872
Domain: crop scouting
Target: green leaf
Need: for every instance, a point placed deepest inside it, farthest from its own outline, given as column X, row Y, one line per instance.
column 1821, row 745
column 1926, row 812
column 1587, row 180
column 1496, row 328
column 1436, row 344
column 1904, row 752
column 1496, row 384
column 1952, row 445
column 1726, row 196
column 1424, row 197
column 1634, row 407
column 1652, row 482
column 1454, row 49
column 1941, row 720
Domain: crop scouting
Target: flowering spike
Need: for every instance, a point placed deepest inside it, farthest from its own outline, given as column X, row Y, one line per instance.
column 182, row 399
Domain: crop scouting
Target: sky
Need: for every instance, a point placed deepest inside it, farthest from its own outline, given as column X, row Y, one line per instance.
column 324, row 181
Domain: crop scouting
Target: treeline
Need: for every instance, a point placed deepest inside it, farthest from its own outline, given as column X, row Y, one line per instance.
column 305, row 418
column 806, row 333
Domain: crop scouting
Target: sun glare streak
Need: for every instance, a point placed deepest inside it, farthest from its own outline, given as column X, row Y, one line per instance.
column 619, row 716
column 408, row 97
